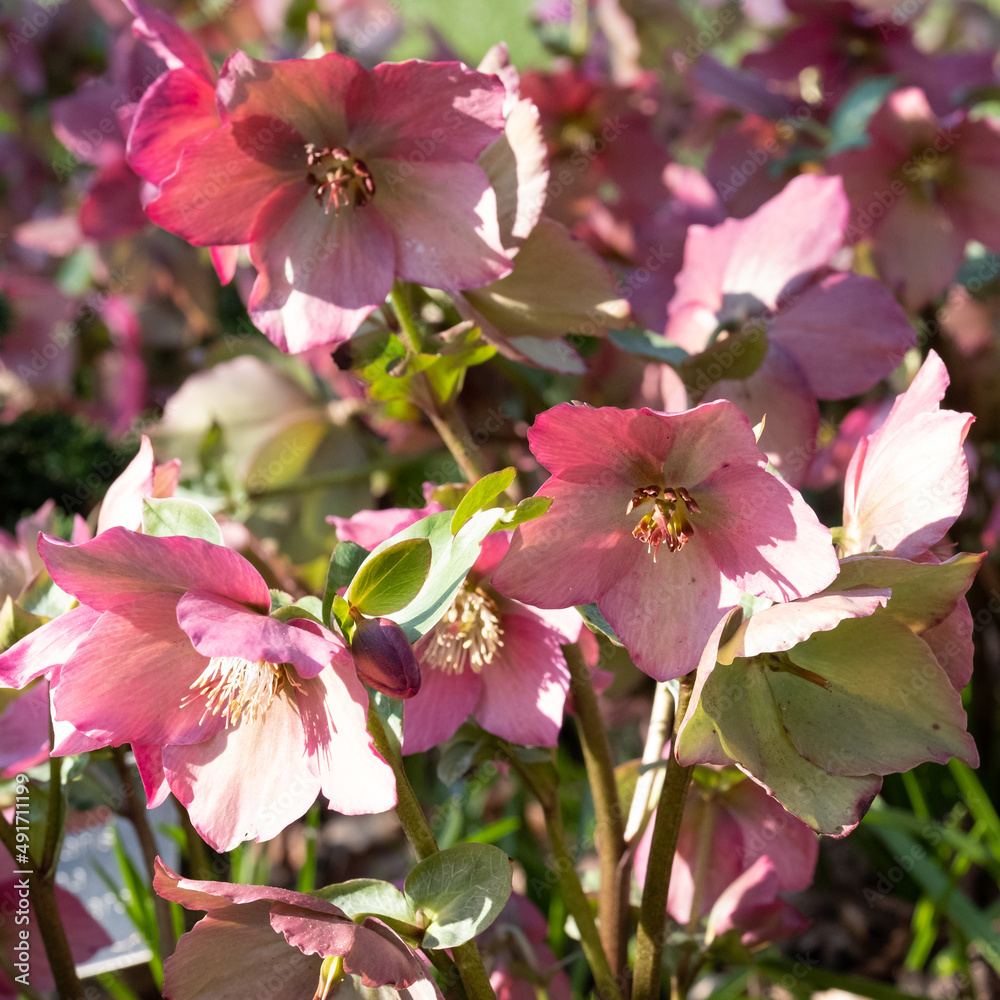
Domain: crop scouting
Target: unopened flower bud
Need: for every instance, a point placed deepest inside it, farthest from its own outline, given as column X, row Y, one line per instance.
column 383, row 656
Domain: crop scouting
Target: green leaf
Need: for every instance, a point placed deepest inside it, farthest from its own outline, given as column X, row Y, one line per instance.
column 849, row 122
column 175, row 516
column 16, row 623
column 344, row 564
column 462, row 890
column 527, row 510
column 597, row 623
column 481, row 494
column 390, row 578
column 735, row 357
column 452, row 557
column 649, row 345
column 363, row 897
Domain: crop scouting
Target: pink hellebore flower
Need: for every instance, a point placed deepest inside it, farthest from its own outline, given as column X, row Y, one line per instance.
column 921, row 189
column 255, row 938
column 172, row 649
column 829, row 335
column 489, row 657
column 755, row 849
column 662, row 519
column 341, row 180
column 85, row 935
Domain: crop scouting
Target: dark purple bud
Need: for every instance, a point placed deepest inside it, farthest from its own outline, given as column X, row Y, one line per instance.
column 383, row 656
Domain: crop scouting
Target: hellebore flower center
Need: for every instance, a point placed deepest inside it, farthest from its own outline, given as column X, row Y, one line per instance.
column 468, row 635
column 667, row 523
column 240, row 689
column 339, row 177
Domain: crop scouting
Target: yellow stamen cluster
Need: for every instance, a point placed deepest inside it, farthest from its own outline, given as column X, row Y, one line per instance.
column 239, row 689
column 468, row 635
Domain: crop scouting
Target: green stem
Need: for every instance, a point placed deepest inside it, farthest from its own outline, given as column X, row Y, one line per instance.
column 55, row 817
column 444, row 416
column 197, row 852
column 135, row 813
column 653, row 910
column 57, row 950
column 418, row 832
column 578, row 904
column 616, row 870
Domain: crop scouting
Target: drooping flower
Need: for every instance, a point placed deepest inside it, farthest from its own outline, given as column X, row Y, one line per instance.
column 341, row 179
column 662, row 519
column 25, row 958
column 489, row 657
column 754, row 850
column 762, row 287
column 290, row 943
column 795, row 700
column 172, row 649
column 920, row 190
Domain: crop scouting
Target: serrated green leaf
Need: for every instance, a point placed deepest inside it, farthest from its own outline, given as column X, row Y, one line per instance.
column 389, row 579
column 481, row 494
column 527, row 510
column 361, row 897
column 175, row 516
column 345, row 562
column 462, row 890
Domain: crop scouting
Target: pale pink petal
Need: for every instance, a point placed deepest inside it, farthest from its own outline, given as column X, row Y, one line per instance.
column 750, row 904
column 46, row 647
column 782, row 626
column 120, row 565
column 970, row 202
column 846, row 332
column 524, row 687
column 209, row 778
column 129, row 680
column 24, row 731
column 168, row 40
column 334, row 712
column 122, row 504
column 444, row 702
column 369, row 528
column 762, row 535
column 319, row 275
column 951, row 643
column 166, row 478
column 443, row 218
column 219, row 627
column 112, row 207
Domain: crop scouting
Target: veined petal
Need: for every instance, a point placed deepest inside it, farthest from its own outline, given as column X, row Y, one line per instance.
column 120, row 565
column 444, row 702
column 46, row 647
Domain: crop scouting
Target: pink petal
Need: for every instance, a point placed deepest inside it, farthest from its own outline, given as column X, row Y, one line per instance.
column 320, row 276
column 112, row 207
column 86, row 125
column 421, row 112
column 846, row 332
column 121, row 565
column 219, row 627
column 525, row 687
column 334, row 710
column 129, row 680
column 174, row 113
column 24, row 731
column 369, row 528
column 779, row 392
column 209, row 778
column 970, row 202
column 444, row 702
column 46, row 647
column 221, row 182
column 548, row 565
column 168, row 40
column 224, row 260
column 443, row 218
column 149, row 761
column 763, row 536
column 232, row 953
column 951, row 643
